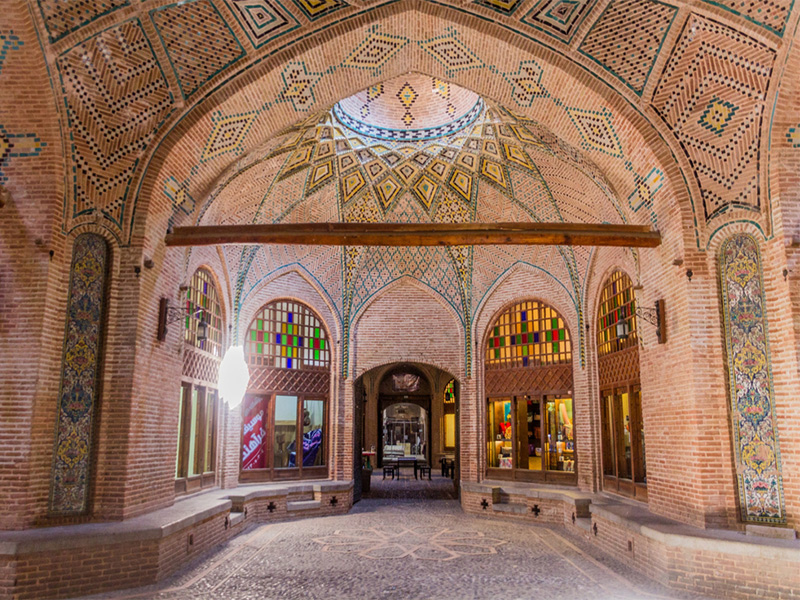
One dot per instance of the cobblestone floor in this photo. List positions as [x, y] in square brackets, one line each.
[390, 548]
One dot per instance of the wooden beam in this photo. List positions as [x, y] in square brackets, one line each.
[418, 234]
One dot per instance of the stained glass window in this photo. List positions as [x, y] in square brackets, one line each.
[287, 335]
[616, 302]
[202, 303]
[529, 333]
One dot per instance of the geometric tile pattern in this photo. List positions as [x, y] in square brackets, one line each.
[374, 52]
[596, 130]
[627, 38]
[8, 42]
[451, 52]
[116, 98]
[69, 487]
[558, 18]
[770, 14]
[526, 83]
[263, 20]
[62, 18]
[198, 41]
[298, 85]
[712, 96]
[505, 7]
[227, 134]
[15, 145]
[755, 436]
[425, 543]
[314, 9]
[793, 136]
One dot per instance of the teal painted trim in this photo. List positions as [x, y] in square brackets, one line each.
[301, 267]
[729, 223]
[158, 126]
[355, 312]
[79, 25]
[235, 10]
[751, 19]
[514, 32]
[652, 64]
[169, 55]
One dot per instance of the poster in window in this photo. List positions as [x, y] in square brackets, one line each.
[253, 433]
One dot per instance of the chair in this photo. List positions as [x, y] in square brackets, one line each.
[424, 469]
[390, 469]
[448, 467]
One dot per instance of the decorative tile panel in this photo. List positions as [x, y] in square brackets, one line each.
[314, 9]
[62, 18]
[627, 38]
[116, 98]
[8, 42]
[559, 18]
[770, 14]
[69, 487]
[753, 419]
[263, 20]
[198, 41]
[712, 96]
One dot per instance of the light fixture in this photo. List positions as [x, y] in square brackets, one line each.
[170, 314]
[655, 316]
[234, 376]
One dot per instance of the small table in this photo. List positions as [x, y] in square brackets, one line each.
[407, 460]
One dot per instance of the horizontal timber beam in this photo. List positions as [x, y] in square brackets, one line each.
[418, 234]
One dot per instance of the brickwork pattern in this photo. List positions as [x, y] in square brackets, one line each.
[627, 39]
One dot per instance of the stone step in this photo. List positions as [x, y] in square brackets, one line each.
[510, 507]
[584, 523]
[303, 505]
[236, 518]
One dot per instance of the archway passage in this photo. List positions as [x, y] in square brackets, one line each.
[407, 427]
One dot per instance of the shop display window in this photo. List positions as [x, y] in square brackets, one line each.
[197, 431]
[622, 426]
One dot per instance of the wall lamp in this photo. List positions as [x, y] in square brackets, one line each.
[656, 316]
[170, 314]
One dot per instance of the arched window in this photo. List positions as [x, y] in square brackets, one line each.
[287, 335]
[529, 411]
[202, 304]
[284, 413]
[616, 304]
[620, 391]
[195, 465]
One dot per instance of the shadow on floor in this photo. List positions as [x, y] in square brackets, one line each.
[408, 488]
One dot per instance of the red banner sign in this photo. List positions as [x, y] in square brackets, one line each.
[253, 455]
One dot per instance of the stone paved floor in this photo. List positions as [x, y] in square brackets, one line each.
[404, 549]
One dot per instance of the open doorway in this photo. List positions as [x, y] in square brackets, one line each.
[407, 428]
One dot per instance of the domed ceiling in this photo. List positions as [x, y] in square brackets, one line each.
[413, 149]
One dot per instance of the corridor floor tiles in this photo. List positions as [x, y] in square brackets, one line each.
[385, 549]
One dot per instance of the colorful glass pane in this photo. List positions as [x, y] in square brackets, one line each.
[290, 336]
[617, 302]
[528, 334]
[202, 304]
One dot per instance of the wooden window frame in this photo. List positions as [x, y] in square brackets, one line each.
[272, 473]
[208, 399]
[543, 475]
[636, 485]
[212, 315]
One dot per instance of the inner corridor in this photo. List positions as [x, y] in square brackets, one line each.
[403, 541]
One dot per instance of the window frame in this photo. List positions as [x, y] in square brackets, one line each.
[208, 401]
[270, 472]
[516, 473]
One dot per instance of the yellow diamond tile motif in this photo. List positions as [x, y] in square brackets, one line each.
[387, 191]
[351, 185]
[425, 189]
[461, 182]
[374, 91]
[407, 172]
[407, 151]
[441, 88]
[437, 168]
[495, 172]
[376, 169]
[490, 147]
[347, 162]
[324, 150]
[407, 95]
[319, 175]
[468, 161]
[227, 134]
[517, 155]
